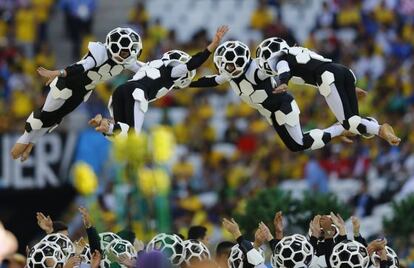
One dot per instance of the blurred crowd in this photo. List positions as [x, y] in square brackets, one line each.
[373, 37]
[325, 245]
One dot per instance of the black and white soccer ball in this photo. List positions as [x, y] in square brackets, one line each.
[268, 48]
[195, 250]
[106, 238]
[118, 248]
[46, 255]
[392, 260]
[175, 57]
[232, 58]
[64, 242]
[105, 262]
[349, 254]
[237, 258]
[171, 245]
[292, 252]
[86, 254]
[124, 45]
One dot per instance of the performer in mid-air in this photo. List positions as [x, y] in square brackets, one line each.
[336, 83]
[73, 85]
[255, 87]
[155, 79]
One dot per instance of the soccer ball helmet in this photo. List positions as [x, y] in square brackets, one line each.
[106, 238]
[64, 242]
[267, 49]
[124, 45]
[232, 58]
[195, 249]
[120, 248]
[171, 245]
[86, 254]
[105, 262]
[236, 257]
[351, 254]
[175, 57]
[292, 252]
[392, 260]
[45, 255]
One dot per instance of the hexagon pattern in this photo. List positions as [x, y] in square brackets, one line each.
[349, 254]
[63, 94]
[327, 79]
[292, 251]
[246, 87]
[34, 122]
[291, 118]
[171, 245]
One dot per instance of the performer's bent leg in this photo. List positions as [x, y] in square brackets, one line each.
[287, 124]
[337, 85]
[58, 104]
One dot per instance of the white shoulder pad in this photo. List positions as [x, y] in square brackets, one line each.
[98, 51]
[254, 257]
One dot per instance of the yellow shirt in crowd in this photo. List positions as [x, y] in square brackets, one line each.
[26, 25]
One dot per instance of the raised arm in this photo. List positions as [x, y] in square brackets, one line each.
[253, 255]
[96, 55]
[198, 59]
[93, 237]
[357, 235]
[210, 81]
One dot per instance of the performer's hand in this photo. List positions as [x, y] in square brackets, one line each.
[45, 223]
[232, 227]
[265, 231]
[278, 224]
[280, 89]
[96, 121]
[360, 92]
[356, 224]
[96, 259]
[221, 31]
[85, 217]
[50, 75]
[259, 238]
[315, 226]
[338, 222]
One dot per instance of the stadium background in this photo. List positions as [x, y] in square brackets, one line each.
[212, 153]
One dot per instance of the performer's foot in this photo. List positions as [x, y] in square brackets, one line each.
[387, 133]
[96, 121]
[21, 150]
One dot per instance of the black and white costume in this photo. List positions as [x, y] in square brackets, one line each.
[281, 110]
[67, 93]
[154, 80]
[335, 82]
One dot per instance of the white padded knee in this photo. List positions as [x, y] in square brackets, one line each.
[291, 118]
